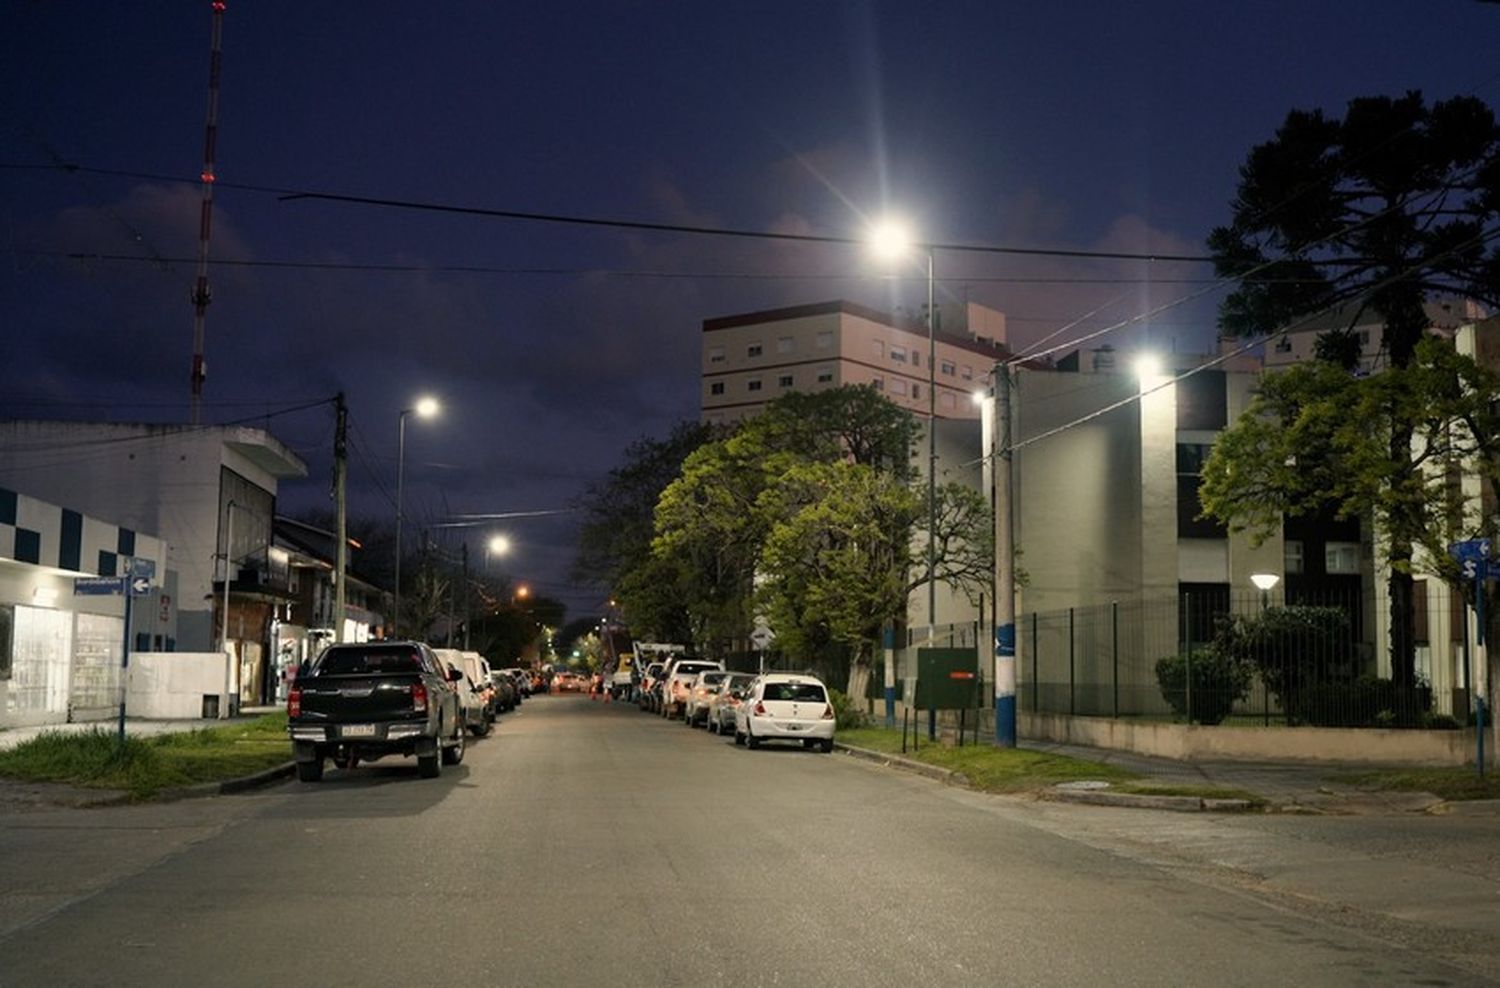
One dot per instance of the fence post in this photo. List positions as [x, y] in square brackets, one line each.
[1114, 620]
[1072, 676]
[1187, 658]
[1036, 685]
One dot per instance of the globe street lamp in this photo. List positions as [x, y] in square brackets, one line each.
[498, 545]
[426, 407]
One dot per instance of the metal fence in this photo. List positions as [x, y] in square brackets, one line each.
[1230, 658]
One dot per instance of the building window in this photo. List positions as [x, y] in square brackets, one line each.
[753, 350]
[784, 381]
[784, 344]
[879, 347]
[716, 388]
[916, 391]
[946, 367]
[916, 358]
[898, 386]
[825, 375]
[716, 355]
[1341, 557]
[753, 384]
[878, 384]
[1291, 556]
[1191, 457]
[825, 340]
[898, 354]
[967, 373]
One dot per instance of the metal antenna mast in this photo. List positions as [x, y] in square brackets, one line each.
[201, 294]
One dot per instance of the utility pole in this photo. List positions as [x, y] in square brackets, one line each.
[1005, 574]
[341, 501]
[468, 610]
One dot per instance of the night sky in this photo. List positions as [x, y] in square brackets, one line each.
[1083, 126]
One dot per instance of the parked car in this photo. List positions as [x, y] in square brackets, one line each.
[366, 700]
[568, 682]
[474, 696]
[725, 700]
[704, 686]
[650, 680]
[677, 680]
[785, 707]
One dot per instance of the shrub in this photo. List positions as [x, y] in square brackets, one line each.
[1364, 702]
[848, 714]
[1218, 682]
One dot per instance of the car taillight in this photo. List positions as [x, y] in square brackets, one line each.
[294, 702]
[828, 711]
[760, 709]
[419, 698]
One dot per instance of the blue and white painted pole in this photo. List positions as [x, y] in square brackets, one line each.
[1005, 575]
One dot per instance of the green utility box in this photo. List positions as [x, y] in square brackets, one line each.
[948, 679]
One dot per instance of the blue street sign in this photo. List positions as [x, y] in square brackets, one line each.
[1476, 549]
[1479, 569]
[140, 586]
[141, 566]
[98, 585]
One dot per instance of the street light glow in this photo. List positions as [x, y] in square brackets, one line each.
[426, 407]
[890, 239]
[1264, 581]
[499, 545]
[1147, 367]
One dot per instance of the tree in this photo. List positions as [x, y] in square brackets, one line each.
[614, 542]
[1316, 435]
[1378, 212]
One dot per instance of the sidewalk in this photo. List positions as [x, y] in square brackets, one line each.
[1289, 787]
[134, 726]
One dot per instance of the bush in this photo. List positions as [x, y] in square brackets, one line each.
[1218, 683]
[1364, 702]
[849, 716]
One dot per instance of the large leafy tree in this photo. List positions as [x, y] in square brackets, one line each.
[1376, 213]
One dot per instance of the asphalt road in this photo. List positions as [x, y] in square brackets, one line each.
[590, 844]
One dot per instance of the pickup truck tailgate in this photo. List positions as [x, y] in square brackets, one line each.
[358, 698]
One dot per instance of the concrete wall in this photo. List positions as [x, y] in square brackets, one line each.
[172, 685]
[1186, 742]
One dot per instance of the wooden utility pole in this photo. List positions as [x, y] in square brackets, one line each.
[341, 551]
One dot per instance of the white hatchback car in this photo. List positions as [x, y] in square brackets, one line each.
[785, 707]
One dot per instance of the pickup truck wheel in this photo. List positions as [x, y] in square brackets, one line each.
[429, 766]
[827, 746]
[454, 753]
[310, 771]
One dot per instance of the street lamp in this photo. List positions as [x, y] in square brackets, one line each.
[498, 545]
[1265, 583]
[890, 239]
[426, 407]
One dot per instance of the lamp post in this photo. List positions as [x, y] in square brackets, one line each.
[890, 239]
[1265, 583]
[498, 545]
[424, 408]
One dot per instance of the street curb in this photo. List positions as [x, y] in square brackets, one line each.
[228, 787]
[1178, 804]
[896, 761]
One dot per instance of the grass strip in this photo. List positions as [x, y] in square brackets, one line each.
[1450, 783]
[145, 766]
[990, 768]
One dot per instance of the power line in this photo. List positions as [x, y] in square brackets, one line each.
[295, 195]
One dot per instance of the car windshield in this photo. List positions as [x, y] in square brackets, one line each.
[366, 662]
[796, 692]
[692, 668]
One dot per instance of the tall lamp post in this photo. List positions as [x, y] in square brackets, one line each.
[424, 408]
[890, 240]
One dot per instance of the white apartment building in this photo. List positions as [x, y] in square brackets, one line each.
[752, 358]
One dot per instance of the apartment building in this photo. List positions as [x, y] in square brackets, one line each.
[752, 358]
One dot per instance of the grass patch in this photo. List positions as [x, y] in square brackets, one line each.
[144, 767]
[1447, 783]
[988, 768]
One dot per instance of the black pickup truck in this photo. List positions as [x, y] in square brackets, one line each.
[363, 701]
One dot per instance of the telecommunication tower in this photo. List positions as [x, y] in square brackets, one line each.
[201, 294]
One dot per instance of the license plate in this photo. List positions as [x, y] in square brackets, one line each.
[357, 731]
